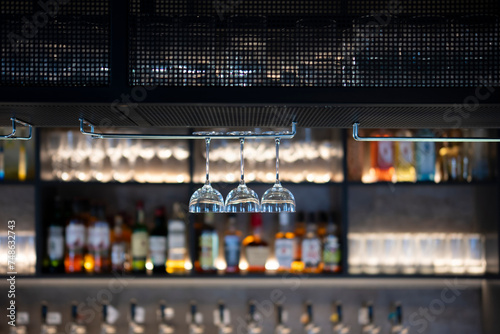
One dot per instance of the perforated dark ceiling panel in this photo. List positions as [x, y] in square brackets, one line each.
[54, 43]
[396, 116]
[356, 43]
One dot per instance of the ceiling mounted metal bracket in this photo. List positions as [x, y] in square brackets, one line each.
[229, 135]
[12, 135]
[355, 135]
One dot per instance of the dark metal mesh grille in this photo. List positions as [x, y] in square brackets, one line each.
[54, 43]
[314, 43]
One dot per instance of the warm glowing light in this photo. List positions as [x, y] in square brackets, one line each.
[180, 178]
[188, 265]
[243, 265]
[99, 176]
[310, 178]
[149, 265]
[230, 177]
[65, 176]
[220, 264]
[88, 265]
[272, 264]
[270, 176]
[82, 176]
[370, 177]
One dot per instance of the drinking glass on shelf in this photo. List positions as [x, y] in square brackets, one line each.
[390, 253]
[425, 251]
[356, 252]
[164, 153]
[456, 248]
[242, 198]
[475, 262]
[147, 153]
[441, 253]
[96, 159]
[80, 162]
[278, 198]
[66, 151]
[53, 147]
[408, 256]
[206, 199]
[372, 250]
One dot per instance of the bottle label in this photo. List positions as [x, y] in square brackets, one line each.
[311, 252]
[232, 250]
[331, 252]
[158, 249]
[284, 251]
[139, 244]
[426, 158]
[75, 236]
[100, 237]
[56, 247]
[176, 240]
[405, 153]
[118, 254]
[257, 256]
[385, 154]
[208, 250]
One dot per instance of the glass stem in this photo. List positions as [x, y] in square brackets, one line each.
[278, 140]
[207, 142]
[242, 166]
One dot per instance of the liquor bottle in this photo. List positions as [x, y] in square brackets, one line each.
[331, 247]
[22, 169]
[2, 164]
[299, 232]
[139, 241]
[101, 241]
[232, 245]
[311, 247]
[75, 240]
[55, 240]
[322, 224]
[284, 244]
[480, 158]
[382, 158]
[176, 242]
[425, 157]
[119, 246]
[256, 249]
[455, 159]
[90, 219]
[209, 245]
[404, 161]
[158, 242]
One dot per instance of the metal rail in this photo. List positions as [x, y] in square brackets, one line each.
[230, 135]
[355, 135]
[12, 135]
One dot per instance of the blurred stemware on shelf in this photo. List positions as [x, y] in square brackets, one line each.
[242, 198]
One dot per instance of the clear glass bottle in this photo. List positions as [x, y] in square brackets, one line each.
[139, 242]
[232, 245]
[425, 157]
[75, 240]
[284, 244]
[209, 245]
[177, 249]
[311, 247]
[331, 247]
[101, 242]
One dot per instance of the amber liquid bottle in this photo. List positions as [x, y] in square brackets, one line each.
[256, 249]
[299, 232]
[382, 158]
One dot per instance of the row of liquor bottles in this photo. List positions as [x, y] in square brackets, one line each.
[166, 316]
[422, 161]
[81, 240]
